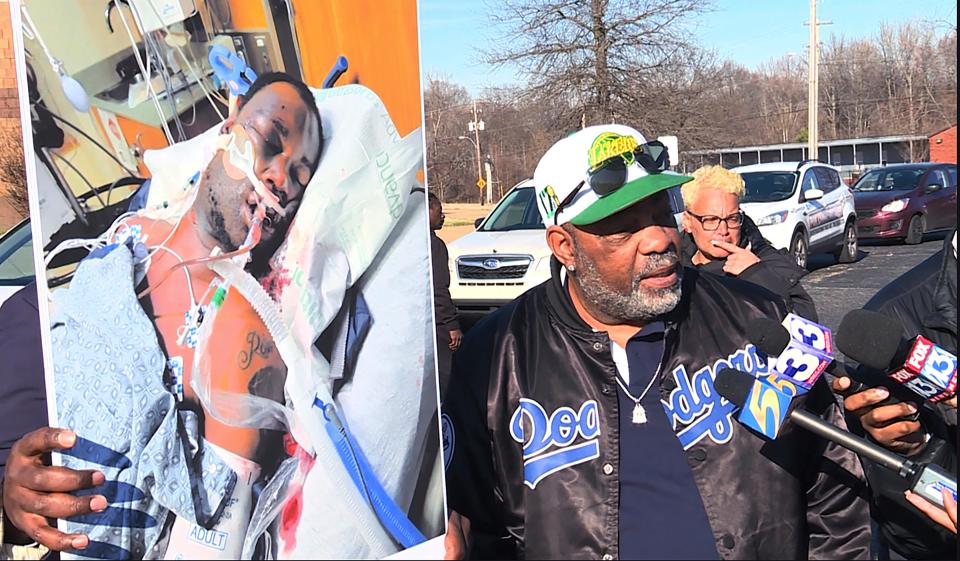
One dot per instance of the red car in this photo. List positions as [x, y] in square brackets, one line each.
[905, 201]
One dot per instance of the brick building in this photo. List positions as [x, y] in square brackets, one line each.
[10, 140]
[943, 145]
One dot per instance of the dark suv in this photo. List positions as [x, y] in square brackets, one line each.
[905, 201]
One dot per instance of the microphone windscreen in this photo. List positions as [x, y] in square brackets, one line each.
[768, 336]
[870, 338]
[733, 385]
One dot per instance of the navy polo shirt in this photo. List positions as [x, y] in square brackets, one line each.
[661, 512]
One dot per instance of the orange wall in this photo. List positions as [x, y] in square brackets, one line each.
[379, 39]
[247, 14]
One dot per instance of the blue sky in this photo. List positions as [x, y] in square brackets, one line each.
[746, 31]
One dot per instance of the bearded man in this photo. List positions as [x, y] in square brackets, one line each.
[581, 420]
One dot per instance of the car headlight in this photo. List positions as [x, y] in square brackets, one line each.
[895, 206]
[775, 218]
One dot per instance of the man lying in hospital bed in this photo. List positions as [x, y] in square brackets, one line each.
[184, 350]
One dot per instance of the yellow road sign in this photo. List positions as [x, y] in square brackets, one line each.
[481, 184]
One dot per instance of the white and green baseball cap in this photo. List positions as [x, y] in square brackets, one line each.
[596, 154]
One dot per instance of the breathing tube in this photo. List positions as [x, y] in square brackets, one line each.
[304, 394]
[335, 445]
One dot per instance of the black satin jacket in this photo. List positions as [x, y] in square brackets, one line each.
[531, 444]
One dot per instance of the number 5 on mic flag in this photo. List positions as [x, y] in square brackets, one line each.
[767, 405]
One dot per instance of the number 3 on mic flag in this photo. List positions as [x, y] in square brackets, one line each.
[807, 355]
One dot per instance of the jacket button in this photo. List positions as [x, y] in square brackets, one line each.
[698, 454]
[598, 346]
[607, 557]
[607, 469]
[727, 541]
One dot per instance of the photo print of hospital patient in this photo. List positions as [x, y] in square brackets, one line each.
[237, 287]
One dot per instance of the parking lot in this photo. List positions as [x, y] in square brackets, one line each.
[837, 288]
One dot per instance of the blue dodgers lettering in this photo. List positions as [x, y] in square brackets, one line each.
[548, 445]
[698, 407]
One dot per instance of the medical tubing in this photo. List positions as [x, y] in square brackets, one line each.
[269, 504]
[88, 137]
[144, 71]
[325, 455]
[190, 263]
[32, 33]
[230, 408]
[390, 515]
[83, 177]
[166, 28]
[88, 244]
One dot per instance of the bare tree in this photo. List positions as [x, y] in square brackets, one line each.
[903, 80]
[448, 158]
[582, 56]
[13, 178]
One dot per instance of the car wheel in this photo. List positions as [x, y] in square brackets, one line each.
[848, 251]
[918, 224]
[798, 248]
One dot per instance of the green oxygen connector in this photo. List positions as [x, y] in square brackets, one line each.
[218, 297]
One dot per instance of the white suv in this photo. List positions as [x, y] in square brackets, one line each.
[508, 253]
[803, 207]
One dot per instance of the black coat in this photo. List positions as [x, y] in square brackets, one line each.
[924, 301]
[446, 311]
[776, 271]
[797, 497]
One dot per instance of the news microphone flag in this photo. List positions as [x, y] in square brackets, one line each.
[930, 371]
[764, 405]
[763, 402]
[808, 353]
[876, 342]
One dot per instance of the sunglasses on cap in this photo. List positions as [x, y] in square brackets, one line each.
[611, 174]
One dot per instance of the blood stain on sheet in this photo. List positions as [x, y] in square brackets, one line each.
[293, 510]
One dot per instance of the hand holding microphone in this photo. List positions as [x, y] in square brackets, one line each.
[765, 403]
[922, 372]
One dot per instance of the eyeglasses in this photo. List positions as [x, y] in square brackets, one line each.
[711, 223]
[611, 174]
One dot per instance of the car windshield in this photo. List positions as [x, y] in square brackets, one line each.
[768, 186]
[888, 180]
[16, 254]
[517, 211]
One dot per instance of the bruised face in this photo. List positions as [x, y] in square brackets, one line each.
[285, 137]
[628, 265]
[712, 202]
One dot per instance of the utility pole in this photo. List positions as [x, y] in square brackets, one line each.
[813, 84]
[475, 126]
[487, 165]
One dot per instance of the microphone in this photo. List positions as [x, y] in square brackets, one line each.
[764, 404]
[772, 339]
[876, 341]
[802, 349]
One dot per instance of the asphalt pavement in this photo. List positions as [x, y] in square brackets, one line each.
[838, 288]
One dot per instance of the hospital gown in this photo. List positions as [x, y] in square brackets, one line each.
[108, 377]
